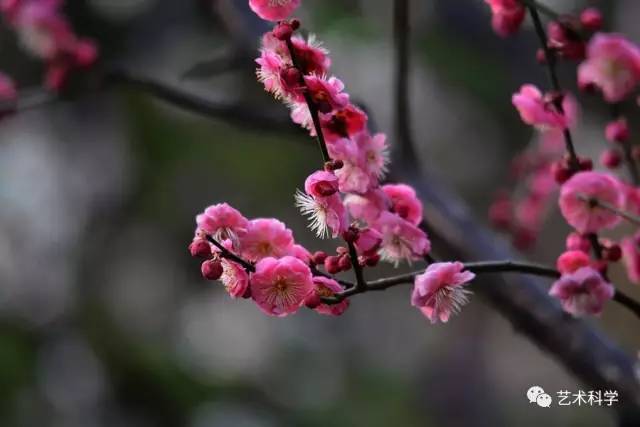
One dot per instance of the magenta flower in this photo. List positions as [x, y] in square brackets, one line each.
[234, 278]
[279, 78]
[223, 222]
[352, 177]
[570, 261]
[439, 292]
[300, 252]
[325, 287]
[401, 240]
[265, 237]
[280, 286]
[617, 130]
[312, 57]
[404, 202]
[537, 111]
[368, 241]
[631, 257]
[580, 212]
[274, 10]
[507, 16]
[612, 65]
[582, 292]
[344, 123]
[326, 93]
[321, 184]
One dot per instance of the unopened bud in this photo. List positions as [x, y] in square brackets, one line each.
[211, 269]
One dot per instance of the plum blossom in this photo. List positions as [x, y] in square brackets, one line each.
[234, 278]
[375, 154]
[223, 222]
[612, 65]
[280, 286]
[274, 10]
[352, 176]
[265, 237]
[325, 287]
[440, 291]
[367, 207]
[368, 241]
[582, 292]
[617, 130]
[570, 261]
[537, 110]
[507, 16]
[580, 212]
[631, 257]
[401, 240]
[327, 94]
[404, 202]
[327, 215]
[278, 78]
[343, 123]
[321, 184]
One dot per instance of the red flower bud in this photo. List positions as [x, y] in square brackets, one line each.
[211, 269]
[200, 248]
[610, 158]
[591, 19]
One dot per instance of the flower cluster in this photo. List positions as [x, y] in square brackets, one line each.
[346, 199]
[45, 33]
[590, 201]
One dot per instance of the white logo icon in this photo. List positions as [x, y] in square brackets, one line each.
[534, 392]
[543, 400]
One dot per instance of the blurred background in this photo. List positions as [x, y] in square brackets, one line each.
[104, 318]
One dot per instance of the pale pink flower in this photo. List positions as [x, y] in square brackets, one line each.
[612, 65]
[367, 207]
[582, 292]
[401, 240]
[579, 212]
[326, 93]
[507, 16]
[280, 286]
[274, 10]
[404, 202]
[631, 257]
[325, 287]
[278, 77]
[327, 215]
[234, 278]
[537, 111]
[321, 184]
[439, 292]
[223, 222]
[374, 152]
[301, 115]
[265, 237]
[570, 261]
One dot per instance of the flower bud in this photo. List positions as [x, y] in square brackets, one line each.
[200, 248]
[331, 264]
[313, 300]
[610, 158]
[333, 165]
[617, 130]
[591, 19]
[585, 163]
[283, 31]
[613, 253]
[344, 262]
[318, 257]
[211, 269]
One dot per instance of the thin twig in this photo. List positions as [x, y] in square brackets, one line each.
[632, 166]
[361, 283]
[542, 8]
[226, 253]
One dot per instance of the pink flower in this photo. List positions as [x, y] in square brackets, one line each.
[577, 242]
[507, 16]
[537, 111]
[312, 57]
[404, 202]
[352, 177]
[367, 207]
[301, 115]
[612, 65]
[368, 241]
[279, 78]
[280, 286]
[222, 222]
[375, 154]
[326, 93]
[265, 237]
[321, 184]
[343, 123]
[401, 240]
[582, 292]
[234, 278]
[300, 252]
[325, 287]
[327, 215]
[570, 261]
[439, 291]
[274, 10]
[579, 212]
[631, 257]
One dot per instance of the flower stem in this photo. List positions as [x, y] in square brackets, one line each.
[226, 253]
[542, 8]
